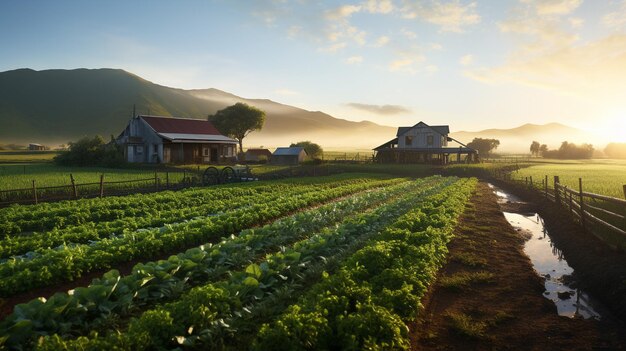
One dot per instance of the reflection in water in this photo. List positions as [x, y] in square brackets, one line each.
[549, 261]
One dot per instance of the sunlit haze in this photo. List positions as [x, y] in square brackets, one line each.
[470, 64]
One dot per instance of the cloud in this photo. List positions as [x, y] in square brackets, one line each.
[385, 110]
[617, 18]
[342, 12]
[554, 7]
[407, 33]
[333, 47]
[576, 22]
[354, 60]
[466, 60]
[451, 16]
[381, 41]
[592, 70]
[378, 6]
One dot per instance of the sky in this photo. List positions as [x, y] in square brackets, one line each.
[470, 64]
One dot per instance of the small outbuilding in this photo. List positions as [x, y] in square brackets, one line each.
[36, 147]
[256, 155]
[288, 155]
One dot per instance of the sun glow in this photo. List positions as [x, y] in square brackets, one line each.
[614, 128]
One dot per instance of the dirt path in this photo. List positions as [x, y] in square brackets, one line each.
[488, 297]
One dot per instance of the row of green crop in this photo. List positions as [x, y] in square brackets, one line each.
[366, 305]
[223, 200]
[48, 216]
[69, 262]
[155, 282]
[216, 315]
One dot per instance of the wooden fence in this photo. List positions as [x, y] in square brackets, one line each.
[36, 193]
[596, 213]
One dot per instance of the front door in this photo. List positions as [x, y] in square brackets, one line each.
[214, 157]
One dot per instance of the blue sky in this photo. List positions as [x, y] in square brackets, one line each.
[470, 64]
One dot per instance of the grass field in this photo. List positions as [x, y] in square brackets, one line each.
[605, 177]
[18, 176]
[26, 156]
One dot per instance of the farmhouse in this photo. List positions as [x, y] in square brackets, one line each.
[288, 155]
[255, 155]
[422, 143]
[156, 139]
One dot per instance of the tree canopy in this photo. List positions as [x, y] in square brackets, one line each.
[312, 149]
[570, 151]
[92, 152]
[238, 120]
[534, 148]
[484, 146]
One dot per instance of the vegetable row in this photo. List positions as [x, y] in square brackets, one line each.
[47, 216]
[87, 232]
[159, 281]
[218, 314]
[69, 262]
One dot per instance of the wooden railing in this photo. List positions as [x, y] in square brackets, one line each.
[595, 212]
[36, 194]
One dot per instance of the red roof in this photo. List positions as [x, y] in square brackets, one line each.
[180, 125]
[259, 152]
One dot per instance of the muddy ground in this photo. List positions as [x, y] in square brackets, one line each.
[488, 296]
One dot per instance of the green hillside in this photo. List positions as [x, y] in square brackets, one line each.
[56, 106]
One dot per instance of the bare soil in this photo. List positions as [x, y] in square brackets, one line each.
[506, 311]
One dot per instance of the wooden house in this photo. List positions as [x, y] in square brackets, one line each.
[256, 155]
[422, 143]
[36, 147]
[288, 155]
[156, 139]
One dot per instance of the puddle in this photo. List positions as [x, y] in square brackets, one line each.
[549, 262]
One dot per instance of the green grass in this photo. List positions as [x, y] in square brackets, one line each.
[19, 176]
[606, 178]
[467, 326]
[26, 156]
[463, 280]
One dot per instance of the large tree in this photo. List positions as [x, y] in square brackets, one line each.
[484, 146]
[238, 120]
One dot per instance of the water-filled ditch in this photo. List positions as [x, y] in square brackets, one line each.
[550, 263]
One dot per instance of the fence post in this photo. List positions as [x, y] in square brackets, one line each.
[156, 182]
[624, 191]
[167, 180]
[35, 192]
[74, 191]
[546, 186]
[557, 196]
[571, 206]
[101, 186]
[531, 182]
[582, 208]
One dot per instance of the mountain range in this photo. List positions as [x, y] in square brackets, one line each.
[56, 106]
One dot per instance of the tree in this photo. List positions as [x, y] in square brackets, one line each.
[238, 120]
[312, 149]
[92, 152]
[534, 148]
[543, 149]
[484, 146]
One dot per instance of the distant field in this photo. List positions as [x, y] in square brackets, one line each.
[18, 176]
[26, 156]
[605, 177]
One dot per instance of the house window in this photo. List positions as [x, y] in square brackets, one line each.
[429, 140]
[408, 140]
[139, 149]
[205, 151]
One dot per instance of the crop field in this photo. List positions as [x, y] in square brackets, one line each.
[337, 262]
[606, 178]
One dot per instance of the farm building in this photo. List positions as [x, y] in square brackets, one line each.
[156, 139]
[256, 155]
[36, 147]
[288, 155]
[422, 143]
